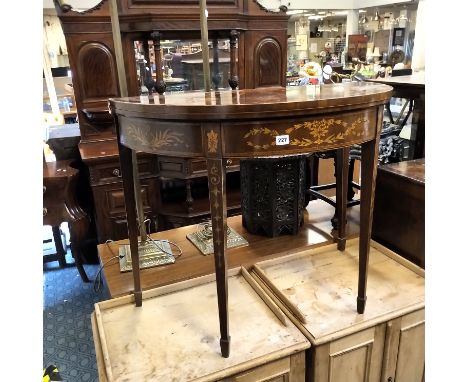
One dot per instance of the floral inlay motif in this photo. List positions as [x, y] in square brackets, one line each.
[156, 139]
[319, 131]
[212, 141]
[261, 131]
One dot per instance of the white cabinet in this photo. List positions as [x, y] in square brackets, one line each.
[317, 290]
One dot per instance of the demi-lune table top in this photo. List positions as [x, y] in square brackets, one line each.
[251, 103]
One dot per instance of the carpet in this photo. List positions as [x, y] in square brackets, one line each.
[67, 335]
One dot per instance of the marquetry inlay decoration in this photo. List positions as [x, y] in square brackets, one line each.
[212, 141]
[215, 189]
[158, 139]
[322, 131]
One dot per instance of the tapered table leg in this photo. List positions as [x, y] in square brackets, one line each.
[342, 167]
[369, 156]
[217, 188]
[126, 166]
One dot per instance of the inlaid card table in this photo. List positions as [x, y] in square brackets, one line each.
[253, 123]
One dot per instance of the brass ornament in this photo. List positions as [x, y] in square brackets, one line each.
[203, 239]
[150, 255]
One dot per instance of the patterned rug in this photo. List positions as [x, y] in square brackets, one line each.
[67, 335]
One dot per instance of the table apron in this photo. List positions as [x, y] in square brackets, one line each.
[305, 134]
[253, 138]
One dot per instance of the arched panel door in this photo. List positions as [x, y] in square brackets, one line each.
[97, 74]
[267, 71]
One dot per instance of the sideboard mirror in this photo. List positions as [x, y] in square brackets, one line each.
[80, 6]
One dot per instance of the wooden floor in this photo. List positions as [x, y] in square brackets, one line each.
[317, 229]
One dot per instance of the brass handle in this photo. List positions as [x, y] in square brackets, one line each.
[116, 172]
[44, 211]
[229, 162]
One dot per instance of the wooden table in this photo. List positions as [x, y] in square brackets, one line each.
[411, 87]
[254, 123]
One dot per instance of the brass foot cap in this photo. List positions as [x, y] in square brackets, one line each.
[225, 347]
[361, 304]
[138, 298]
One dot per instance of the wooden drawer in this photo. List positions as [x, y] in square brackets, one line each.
[109, 172]
[115, 201]
[110, 210]
[183, 168]
[174, 336]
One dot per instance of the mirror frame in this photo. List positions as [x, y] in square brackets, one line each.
[66, 7]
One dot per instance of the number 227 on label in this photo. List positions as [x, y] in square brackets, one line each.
[282, 140]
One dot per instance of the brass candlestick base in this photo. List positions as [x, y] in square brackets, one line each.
[151, 254]
[203, 239]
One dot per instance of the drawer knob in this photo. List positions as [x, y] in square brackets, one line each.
[390, 379]
[44, 211]
[229, 162]
[116, 172]
[44, 188]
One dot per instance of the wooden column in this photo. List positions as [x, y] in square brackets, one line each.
[160, 85]
[147, 77]
[234, 77]
[204, 45]
[216, 76]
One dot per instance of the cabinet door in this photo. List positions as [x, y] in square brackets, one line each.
[404, 349]
[355, 358]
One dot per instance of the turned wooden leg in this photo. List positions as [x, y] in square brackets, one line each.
[342, 167]
[59, 245]
[217, 189]
[126, 166]
[188, 195]
[369, 158]
[78, 230]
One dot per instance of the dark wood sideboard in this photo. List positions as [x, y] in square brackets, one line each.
[262, 47]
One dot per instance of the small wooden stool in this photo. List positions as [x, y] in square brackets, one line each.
[60, 205]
